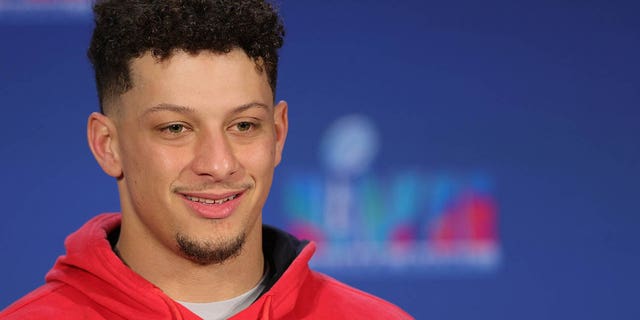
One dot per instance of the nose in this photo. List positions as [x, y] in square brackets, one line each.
[215, 157]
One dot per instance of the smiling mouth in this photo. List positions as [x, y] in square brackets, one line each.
[211, 201]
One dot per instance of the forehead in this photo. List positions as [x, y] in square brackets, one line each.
[203, 80]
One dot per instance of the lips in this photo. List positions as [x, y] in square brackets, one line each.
[213, 206]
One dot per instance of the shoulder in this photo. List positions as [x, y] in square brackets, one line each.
[50, 301]
[336, 299]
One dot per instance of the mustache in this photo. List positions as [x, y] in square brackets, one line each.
[212, 186]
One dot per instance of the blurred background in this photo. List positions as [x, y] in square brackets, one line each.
[462, 159]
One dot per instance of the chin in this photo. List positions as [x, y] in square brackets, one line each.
[208, 252]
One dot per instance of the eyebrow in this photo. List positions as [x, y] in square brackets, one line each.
[245, 107]
[169, 107]
[189, 110]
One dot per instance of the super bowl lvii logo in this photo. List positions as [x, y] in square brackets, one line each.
[407, 220]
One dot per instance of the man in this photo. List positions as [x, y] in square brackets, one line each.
[189, 129]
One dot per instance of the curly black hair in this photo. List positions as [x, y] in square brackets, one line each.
[127, 29]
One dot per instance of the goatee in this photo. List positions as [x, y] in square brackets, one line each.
[210, 252]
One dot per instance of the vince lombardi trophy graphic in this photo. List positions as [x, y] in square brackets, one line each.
[348, 149]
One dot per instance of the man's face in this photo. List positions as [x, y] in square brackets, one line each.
[198, 138]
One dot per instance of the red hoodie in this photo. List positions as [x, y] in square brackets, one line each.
[90, 282]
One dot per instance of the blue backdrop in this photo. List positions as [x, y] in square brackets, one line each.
[540, 96]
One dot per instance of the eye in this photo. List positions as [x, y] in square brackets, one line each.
[174, 128]
[244, 126]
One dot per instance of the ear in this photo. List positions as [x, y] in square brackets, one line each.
[102, 136]
[281, 122]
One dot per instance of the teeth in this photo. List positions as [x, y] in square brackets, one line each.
[210, 201]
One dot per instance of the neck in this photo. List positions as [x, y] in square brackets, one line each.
[185, 280]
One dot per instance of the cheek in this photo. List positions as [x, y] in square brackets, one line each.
[149, 164]
[259, 158]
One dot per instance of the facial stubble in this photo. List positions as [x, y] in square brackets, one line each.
[210, 252]
[207, 252]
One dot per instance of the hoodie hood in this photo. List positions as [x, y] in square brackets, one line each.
[93, 269]
[90, 282]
